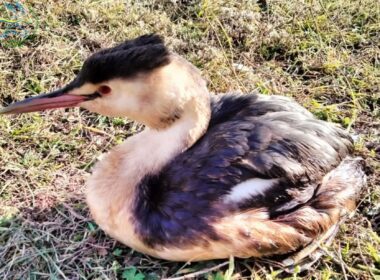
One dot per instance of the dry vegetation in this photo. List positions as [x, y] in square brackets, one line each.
[326, 54]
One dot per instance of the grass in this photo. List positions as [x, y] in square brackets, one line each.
[325, 54]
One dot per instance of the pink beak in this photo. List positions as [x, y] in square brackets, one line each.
[56, 99]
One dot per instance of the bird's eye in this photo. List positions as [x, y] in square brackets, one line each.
[104, 89]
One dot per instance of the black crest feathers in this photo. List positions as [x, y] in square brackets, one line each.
[125, 60]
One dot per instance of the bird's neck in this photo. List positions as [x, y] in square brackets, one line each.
[152, 149]
[118, 174]
[155, 148]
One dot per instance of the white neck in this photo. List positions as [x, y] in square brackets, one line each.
[152, 149]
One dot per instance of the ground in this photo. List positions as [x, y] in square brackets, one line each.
[325, 54]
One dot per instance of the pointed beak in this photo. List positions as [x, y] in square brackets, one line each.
[57, 99]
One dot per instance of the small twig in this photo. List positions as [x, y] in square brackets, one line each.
[363, 258]
[75, 214]
[98, 131]
[342, 263]
[195, 274]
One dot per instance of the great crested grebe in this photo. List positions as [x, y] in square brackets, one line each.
[210, 176]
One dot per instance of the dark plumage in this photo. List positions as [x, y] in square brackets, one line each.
[248, 137]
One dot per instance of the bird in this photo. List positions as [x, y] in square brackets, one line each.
[212, 175]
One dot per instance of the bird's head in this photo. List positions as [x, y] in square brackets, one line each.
[139, 79]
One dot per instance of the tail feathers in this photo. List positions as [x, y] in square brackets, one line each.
[320, 218]
[335, 197]
[341, 186]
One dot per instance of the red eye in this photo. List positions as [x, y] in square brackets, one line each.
[104, 89]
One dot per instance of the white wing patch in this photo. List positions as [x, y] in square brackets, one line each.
[248, 189]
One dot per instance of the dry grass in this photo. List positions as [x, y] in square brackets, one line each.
[326, 54]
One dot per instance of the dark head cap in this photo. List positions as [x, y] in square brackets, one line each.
[125, 60]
